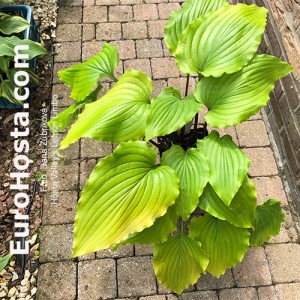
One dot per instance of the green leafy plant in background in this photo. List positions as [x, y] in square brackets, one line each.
[4, 261]
[9, 26]
[196, 204]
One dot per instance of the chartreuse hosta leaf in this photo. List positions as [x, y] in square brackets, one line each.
[157, 233]
[168, 113]
[223, 41]
[8, 44]
[228, 165]
[192, 169]
[180, 19]
[233, 98]
[224, 243]
[120, 115]
[83, 77]
[12, 24]
[69, 115]
[239, 213]
[267, 220]
[125, 193]
[66, 117]
[178, 262]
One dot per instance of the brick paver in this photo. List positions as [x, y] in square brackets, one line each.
[136, 27]
[97, 279]
[284, 262]
[253, 270]
[208, 282]
[68, 33]
[57, 281]
[238, 294]
[59, 235]
[136, 277]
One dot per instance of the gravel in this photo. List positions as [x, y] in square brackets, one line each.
[15, 284]
[45, 14]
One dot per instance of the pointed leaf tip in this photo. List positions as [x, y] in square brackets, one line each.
[230, 35]
[178, 262]
[125, 193]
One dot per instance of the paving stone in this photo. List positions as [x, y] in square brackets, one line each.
[68, 33]
[89, 49]
[164, 68]
[238, 294]
[107, 2]
[252, 134]
[156, 28]
[108, 31]
[267, 293]
[126, 2]
[86, 167]
[165, 9]
[143, 249]
[126, 49]
[61, 212]
[167, 52]
[258, 116]
[158, 87]
[180, 84]
[135, 30]
[64, 174]
[263, 162]
[199, 295]
[68, 52]
[88, 32]
[149, 48]
[253, 270]
[62, 92]
[58, 67]
[135, 277]
[284, 262]
[290, 291]
[67, 3]
[56, 242]
[89, 256]
[120, 13]
[145, 12]
[209, 282]
[52, 277]
[139, 64]
[68, 15]
[97, 279]
[171, 297]
[228, 131]
[156, 1]
[95, 14]
[270, 187]
[163, 290]
[93, 148]
[88, 2]
[153, 298]
[72, 152]
[119, 70]
[123, 251]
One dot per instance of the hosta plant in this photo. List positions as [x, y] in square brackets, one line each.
[10, 27]
[172, 182]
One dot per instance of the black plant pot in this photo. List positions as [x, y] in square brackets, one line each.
[31, 33]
